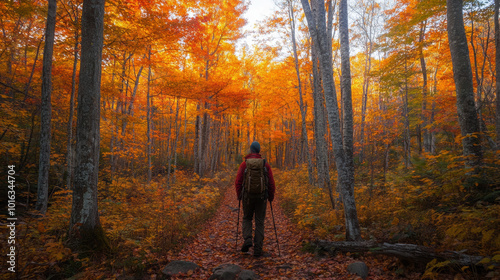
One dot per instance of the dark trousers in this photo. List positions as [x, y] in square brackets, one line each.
[254, 206]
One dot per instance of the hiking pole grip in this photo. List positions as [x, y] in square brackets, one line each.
[275, 231]
[238, 224]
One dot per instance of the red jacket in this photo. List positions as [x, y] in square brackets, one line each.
[241, 173]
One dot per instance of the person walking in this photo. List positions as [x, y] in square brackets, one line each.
[254, 186]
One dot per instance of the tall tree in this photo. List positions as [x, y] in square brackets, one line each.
[148, 116]
[46, 110]
[345, 175]
[427, 135]
[85, 227]
[352, 225]
[462, 74]
[320, 129]
[497, 69]
[305, 141]
[74, 15]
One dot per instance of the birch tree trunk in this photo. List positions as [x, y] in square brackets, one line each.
[462, 73]
[343, 160]
[85, 230]
[301, 104]
[347, 186]
[320, 129]
[46, 110]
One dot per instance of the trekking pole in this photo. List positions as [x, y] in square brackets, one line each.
[275, 232]
[238, 224]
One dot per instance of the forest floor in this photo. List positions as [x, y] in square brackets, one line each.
[215, 245]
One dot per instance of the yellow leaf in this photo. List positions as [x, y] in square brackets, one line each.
[487, 235]
[485, 260]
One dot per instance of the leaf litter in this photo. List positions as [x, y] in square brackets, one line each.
[215, 245]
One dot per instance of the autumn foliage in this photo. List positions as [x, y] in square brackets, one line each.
[183, 94]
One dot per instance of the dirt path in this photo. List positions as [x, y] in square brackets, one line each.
[215, 245]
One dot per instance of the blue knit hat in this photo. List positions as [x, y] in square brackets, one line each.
[255, 147]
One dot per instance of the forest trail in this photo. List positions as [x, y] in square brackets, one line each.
[215, 245]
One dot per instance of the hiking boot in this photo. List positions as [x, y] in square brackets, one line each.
[259, 254]
[245, 247]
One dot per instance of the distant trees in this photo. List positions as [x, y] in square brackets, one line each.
[178, 92]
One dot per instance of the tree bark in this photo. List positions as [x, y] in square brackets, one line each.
[462, 73]
[320, 129]
[301, 101]
[33, 68]
[350, 212]
[425, 121]
[148, 117]
[411, 252]
[46, 110]
[343, 151]
[406, 116]
[497, 69]
[85, 228]
[69, 145]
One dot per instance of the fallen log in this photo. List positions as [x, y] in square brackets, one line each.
[410, 252]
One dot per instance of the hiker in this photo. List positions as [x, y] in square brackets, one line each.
[254, 186]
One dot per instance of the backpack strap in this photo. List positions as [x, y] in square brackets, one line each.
[243, 184]
[265, 177]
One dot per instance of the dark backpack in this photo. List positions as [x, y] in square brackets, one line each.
[256, 177]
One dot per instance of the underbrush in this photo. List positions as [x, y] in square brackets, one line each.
[143, 224]
[433, 204]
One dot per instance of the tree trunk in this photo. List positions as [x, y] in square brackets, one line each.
[174, 144]
[129, 112]
[205, 130]
[320, 129]
[196, 143]
[148, 101]
[462, 73]
[497, 69]
[185, 130]
[406, 116]
[345, 176]
[69, 158]
[85, 228]
[301, 104]
[33, 68]
[351, 216]
[410, 252]
[425, 121]
[46, 110]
